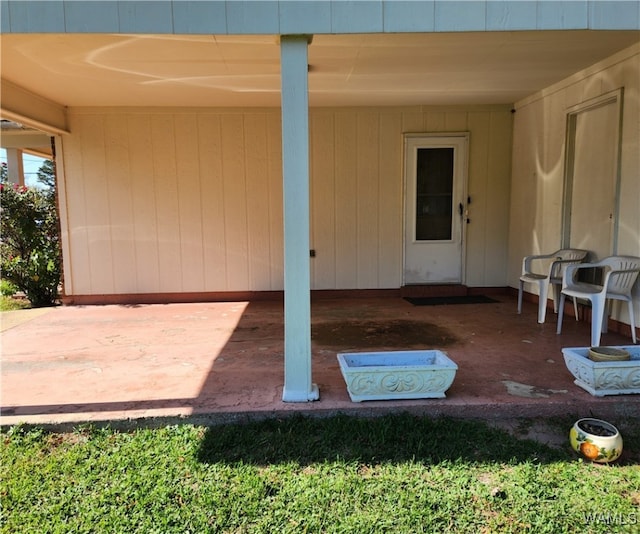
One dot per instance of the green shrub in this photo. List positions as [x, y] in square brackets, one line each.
[7, 289]
[30, 249]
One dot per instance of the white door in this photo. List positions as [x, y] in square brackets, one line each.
[591, 202]
[435, 208]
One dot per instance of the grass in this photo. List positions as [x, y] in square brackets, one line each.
[8, 303]
[397, 473]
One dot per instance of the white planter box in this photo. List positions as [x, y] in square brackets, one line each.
[421, 374]
[604, 378]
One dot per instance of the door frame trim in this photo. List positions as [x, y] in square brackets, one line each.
[465, 136]
[611, 97]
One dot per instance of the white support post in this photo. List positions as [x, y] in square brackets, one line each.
[298, 386]
[15, 166]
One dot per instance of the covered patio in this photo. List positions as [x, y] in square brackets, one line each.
[213, 362]
[210, 149]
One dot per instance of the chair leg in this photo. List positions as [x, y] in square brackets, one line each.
[597, 316]
[605, 318]
[542, 303]
[560, 313]
[633, 323]
[555, 289]
[575, 308]
[520, 289]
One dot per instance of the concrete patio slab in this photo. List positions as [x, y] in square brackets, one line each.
[213, 362]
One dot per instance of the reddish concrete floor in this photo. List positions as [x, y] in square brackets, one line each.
[213, 362]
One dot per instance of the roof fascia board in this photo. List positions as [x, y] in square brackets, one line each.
[276, 17]
[21, 139]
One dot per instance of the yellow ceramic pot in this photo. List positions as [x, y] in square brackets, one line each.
[596, 440]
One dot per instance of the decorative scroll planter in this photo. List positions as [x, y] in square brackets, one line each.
[605, 377]
[423, 374]
[596, 440]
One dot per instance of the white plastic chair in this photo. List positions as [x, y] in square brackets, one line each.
[620, 273]
[553, 276]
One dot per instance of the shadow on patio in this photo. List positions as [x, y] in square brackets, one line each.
[211, 362]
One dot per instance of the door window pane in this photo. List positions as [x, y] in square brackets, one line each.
[434, 194]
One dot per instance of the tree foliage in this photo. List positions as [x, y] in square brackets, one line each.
[30, 244]
[47, 175]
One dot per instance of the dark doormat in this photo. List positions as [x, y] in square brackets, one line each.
[438, 301]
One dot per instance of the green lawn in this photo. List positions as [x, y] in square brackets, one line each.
[10, 303]
[397, 473]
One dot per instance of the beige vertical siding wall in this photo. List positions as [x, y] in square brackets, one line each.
[184, 200]
[357, 192]
[539, 151]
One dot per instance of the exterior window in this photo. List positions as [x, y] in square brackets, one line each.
[434, 195]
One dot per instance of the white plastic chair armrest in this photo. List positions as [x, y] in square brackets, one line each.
[560, 262]
[527, 260]
[569, 273]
